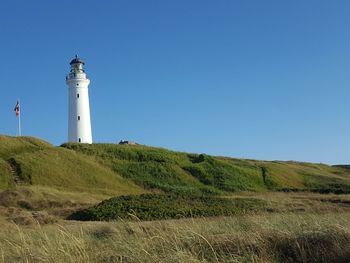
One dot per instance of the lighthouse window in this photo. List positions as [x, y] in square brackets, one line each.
[77, 84]
[78, 95]
[78, 118]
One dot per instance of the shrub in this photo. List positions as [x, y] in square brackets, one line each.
[156, 206]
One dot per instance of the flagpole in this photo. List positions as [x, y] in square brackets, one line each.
[19, 120]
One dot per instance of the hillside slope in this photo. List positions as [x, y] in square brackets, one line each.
[30, 161]
[134, 169]
[171, 171]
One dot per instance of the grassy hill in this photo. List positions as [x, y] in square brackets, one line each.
[171, 171]
[41, 185]
[32, 161]
[134, 169]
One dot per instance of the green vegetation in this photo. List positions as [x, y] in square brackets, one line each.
[186, 184]
[156, 206]
[39, 163]
[6, 180]
[175, 172]
[134, 169]
[272, 213]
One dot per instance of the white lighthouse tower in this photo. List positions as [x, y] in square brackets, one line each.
[79, 124]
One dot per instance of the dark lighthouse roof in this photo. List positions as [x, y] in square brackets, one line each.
[76, 60]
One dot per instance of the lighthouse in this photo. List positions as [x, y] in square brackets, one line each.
[79, 124]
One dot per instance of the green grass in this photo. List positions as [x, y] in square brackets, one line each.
[134, 169]
[46, 165]
[6, 181]
[176, 172]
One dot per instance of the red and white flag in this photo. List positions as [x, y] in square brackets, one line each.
[17, 109]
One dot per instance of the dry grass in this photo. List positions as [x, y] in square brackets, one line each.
[300, 227]
[45, 199]
[254, 238]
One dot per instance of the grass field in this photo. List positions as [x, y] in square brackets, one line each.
[274, 211]
[317, 230]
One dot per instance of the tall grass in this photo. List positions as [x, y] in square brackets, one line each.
[253, 238]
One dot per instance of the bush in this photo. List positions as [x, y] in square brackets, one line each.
[156, 206]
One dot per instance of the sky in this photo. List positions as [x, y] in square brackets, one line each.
[250, 79]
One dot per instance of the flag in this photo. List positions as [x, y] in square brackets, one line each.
[16, 109]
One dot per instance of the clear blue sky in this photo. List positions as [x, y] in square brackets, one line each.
[252, 79]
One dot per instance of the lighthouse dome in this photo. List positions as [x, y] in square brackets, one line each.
[76, 60]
